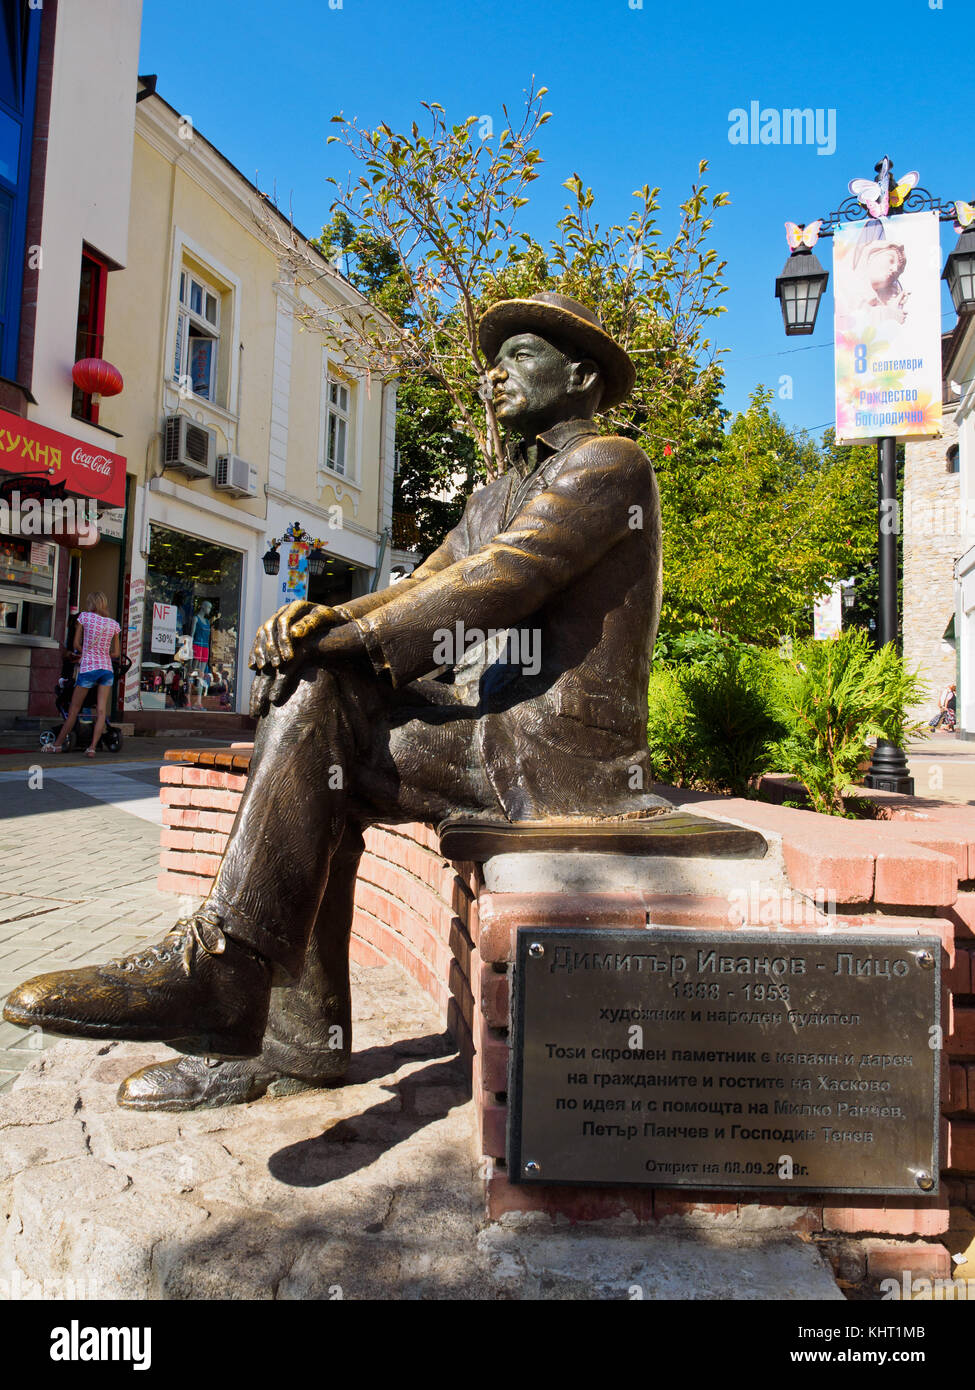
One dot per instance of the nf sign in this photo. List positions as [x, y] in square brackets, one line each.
[165, 617]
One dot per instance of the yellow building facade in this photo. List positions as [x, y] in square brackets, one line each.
[239, 420]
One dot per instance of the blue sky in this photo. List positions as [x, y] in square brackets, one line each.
[639, 95]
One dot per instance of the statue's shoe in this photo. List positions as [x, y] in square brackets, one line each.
[198, 989]
[199, 1083]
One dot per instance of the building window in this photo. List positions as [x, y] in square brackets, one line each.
[196, 362]
[20, 29]
[338, 428]
[28, 585]
[952, 459]
[6, 218]
[90, 339]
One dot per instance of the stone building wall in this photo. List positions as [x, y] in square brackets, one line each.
[933, 538]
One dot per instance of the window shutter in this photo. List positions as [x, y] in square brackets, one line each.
[179, 360]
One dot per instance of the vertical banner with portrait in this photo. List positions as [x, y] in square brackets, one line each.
[828, 614]
[294, 580]
[887, 296]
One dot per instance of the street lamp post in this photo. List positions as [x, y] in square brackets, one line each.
[317, 559]
[799, 288]
[888, 770]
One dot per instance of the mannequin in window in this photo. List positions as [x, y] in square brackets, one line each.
[201, 636]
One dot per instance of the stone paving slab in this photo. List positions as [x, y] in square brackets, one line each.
[77, 882]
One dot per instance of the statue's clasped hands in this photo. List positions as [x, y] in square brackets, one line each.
[297, 632]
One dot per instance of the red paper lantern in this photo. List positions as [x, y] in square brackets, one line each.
[96, 377]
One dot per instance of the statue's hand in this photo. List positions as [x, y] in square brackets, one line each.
[275, 643]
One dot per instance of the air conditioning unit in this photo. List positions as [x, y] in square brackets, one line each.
[188, 447]
[236, 476]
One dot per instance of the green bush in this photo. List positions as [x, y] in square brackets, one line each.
[722, 712]
[831, 697]
[668, 730]
[711, 724]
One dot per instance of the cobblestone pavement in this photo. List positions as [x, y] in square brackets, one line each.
[79, 853]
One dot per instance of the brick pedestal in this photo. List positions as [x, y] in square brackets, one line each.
[906, 874]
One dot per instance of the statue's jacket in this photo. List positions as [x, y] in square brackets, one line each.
[564, 561]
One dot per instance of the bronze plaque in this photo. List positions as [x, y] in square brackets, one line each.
[674, 1058]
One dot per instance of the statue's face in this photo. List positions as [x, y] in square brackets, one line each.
[530, 383]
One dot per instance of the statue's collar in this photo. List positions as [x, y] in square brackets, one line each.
[526, 458]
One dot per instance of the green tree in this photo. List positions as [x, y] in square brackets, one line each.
[437, 459]
[442, 204]
[751, 539]
[426, 232]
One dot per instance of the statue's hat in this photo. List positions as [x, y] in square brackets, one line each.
[555, 315]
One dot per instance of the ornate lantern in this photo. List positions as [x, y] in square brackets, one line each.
[96, 377]
[799, 289]
[959, 271]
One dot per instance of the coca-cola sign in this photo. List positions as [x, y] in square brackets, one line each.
[98, 464]
[33, 451]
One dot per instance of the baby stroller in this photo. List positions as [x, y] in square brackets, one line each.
[80, 736]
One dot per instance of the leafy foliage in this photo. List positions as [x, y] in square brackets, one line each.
[722, 712]
[832, 696]
[435, 212]
[711, 723]
[752, 538]
[656, 298]
[438, 462]
[444, 199]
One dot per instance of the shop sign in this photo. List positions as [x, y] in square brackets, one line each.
[34, 451]
[165, 621]
[135, 609]
[111, 523]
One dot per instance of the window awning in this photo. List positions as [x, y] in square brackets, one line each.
[42, 455]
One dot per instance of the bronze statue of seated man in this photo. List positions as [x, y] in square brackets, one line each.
[561, 555]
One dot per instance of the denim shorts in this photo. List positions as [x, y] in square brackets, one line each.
[90, 678]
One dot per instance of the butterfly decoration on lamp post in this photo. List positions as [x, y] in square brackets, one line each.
[887, 344]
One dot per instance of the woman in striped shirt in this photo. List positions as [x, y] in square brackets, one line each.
[97, 635]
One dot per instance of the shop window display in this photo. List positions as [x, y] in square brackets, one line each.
[28, 585]
[192, 617]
